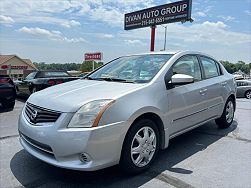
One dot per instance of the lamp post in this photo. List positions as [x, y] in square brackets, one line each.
[165, 38]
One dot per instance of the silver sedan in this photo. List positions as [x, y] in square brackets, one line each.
[126, 111]
[244, 88]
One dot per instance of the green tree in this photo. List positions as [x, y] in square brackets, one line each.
[57, 66]
[229, 66]
[86, 66]
[234, 67]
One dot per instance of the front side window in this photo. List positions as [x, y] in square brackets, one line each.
[137, 68]
[210, 67]
[188, 65]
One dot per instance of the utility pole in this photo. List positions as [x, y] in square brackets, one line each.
[10, 70]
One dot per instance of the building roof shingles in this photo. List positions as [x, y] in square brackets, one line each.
[4, 58]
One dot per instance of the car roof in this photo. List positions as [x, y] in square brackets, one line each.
[243, 80]
[52, 71]
[172, 52]
[158, 53]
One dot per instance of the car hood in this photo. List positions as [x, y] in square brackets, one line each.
[70, 96]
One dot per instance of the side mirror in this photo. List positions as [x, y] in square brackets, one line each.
[180, 79]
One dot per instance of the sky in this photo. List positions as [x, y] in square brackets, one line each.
[61, 31]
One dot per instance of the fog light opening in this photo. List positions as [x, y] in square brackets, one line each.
[84, 158]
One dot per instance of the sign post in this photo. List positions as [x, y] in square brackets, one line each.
[92, 57]
[179, 11]
[152, 37]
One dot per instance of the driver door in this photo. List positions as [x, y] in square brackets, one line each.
[185, 102]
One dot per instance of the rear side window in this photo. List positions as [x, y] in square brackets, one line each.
[188, 65]
[242, 84]
[210, 67]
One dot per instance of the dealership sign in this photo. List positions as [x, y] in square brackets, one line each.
[173, 12]
[13, 67]
[93, 56]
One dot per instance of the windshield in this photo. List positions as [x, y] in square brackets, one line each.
[30, 76]
[138, 68]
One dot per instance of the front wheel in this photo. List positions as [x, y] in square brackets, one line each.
[227, 116]
[248, 94]
[140, 146]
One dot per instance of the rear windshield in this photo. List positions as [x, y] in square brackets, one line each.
[54, 74]
[31, 76]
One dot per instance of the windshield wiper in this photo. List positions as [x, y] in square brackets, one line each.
[110, 79]
[90, 78]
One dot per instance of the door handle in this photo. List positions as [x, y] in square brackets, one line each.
[203, 91]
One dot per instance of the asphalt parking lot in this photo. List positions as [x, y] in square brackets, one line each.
[204, 157]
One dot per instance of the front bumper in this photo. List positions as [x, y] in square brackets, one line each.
[61, 146]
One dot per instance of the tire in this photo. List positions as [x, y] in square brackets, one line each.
[227, 116]
[137, 162]
[248, 94]
[34, 90]
[8, 104]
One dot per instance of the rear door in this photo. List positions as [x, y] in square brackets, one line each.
[186, 102]
[215, 87]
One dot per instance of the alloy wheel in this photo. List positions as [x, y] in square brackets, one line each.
[248, 95]
[229, 111]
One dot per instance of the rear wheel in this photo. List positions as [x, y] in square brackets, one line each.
[140, 147]
[248, 94]
[227, 116]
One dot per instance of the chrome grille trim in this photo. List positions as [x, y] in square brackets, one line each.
[36, 114]
[37, 145]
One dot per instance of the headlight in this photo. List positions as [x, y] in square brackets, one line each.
[90, 114]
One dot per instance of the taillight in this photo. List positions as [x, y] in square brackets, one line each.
[4, 80]
[59, 81]
[51, 82]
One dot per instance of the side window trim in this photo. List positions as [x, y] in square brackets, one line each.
[219, 67]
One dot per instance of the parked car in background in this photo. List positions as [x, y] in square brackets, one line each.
[244, 88]
[83, 74]
[39, 80]
[126, 111]
[7, 92]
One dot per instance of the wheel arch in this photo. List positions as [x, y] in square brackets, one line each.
[157, 120]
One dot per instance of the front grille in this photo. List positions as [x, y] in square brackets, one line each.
[37, 114]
